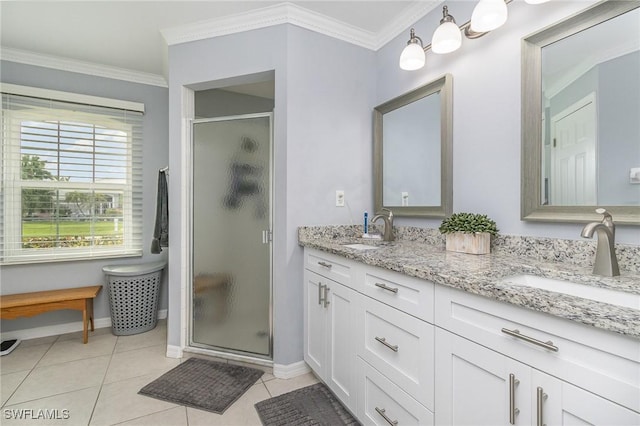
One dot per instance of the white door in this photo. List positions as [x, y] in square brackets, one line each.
[315, 323]
[475, 385]
[573, 155]
[341, 345]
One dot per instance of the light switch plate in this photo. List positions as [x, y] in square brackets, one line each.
[339, 198]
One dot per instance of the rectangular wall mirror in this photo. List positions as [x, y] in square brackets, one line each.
[413, 152]
[580, 116]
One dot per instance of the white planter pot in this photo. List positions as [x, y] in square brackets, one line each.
[478, 243]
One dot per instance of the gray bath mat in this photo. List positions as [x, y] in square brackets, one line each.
[200, 383]
[310, 406]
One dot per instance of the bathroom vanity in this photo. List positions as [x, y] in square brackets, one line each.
[406, 333]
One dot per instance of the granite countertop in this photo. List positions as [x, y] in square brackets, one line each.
[483, 274]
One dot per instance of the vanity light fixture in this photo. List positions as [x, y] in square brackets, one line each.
[447, 37]
[487, 16]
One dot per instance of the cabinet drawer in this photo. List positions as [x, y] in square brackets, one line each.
[380, 402]
[330, 266]
[411, 295]
[399, 346]
[605, 363]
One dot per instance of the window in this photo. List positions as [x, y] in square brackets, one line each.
[71, 177]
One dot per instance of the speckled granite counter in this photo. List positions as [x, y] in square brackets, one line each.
[421, 254]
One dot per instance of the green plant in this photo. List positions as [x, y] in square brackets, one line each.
[469, 223]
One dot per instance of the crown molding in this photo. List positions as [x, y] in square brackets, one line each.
[406, 19]
[283, 13]
[72, 65]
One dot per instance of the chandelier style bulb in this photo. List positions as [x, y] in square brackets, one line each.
[412, 57]
[447, 37]
[488, 15]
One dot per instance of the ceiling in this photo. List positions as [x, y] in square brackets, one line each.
[129, 34]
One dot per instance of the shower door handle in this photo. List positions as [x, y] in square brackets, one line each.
[267, 236]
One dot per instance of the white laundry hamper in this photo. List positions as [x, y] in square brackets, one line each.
[133, 296]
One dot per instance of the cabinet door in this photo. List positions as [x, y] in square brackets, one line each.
[315, 323]
[477, 386]
[556, 402]
[340, 372]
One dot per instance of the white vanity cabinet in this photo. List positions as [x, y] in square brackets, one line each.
[565, 373]
[329, 315]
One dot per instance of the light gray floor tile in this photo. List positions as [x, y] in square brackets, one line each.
[61, 378]
[140, 362]
[119, 402]
[68, 409]
[172, 417]
[72, 350]
[77, 335]
[281, 386]
[22, 358]
[49, 340]
[10, 383]
[155, 337]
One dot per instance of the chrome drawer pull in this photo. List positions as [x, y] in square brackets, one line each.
[540, 398]
[516, 333]
[384, 342]
[325, 264]
[381, 411]
[513, 411]
[386, 287]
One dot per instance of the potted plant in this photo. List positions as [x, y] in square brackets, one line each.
[468, 233]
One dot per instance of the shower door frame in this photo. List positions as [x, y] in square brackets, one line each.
[211, 349]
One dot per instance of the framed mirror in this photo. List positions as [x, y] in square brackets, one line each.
[413, 158]
[580, 117]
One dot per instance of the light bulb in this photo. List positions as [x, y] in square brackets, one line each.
[412, 57]
[488, 15]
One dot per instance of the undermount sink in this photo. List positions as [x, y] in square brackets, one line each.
[359, 246]
[620, 298]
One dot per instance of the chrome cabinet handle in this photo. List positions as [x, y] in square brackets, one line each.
[516, 333]
[325, 264]
[513, 411]
[320, 293]
[540, 398]
[326, 296]
[387, 344]
[382, 411]
[386, 287]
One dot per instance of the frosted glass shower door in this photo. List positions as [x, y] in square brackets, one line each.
[231, 294]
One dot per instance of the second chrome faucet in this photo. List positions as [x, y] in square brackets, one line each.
[387, 234]
[606, 263]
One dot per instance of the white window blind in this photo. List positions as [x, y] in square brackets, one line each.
[71, 180]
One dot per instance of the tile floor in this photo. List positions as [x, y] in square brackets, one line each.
[98, 383]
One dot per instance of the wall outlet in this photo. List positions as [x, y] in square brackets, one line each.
[405, 199]
[339, 198]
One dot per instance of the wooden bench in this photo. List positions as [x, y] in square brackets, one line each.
[30, 304]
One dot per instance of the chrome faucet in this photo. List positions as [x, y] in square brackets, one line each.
[388, 224]
[606, 263]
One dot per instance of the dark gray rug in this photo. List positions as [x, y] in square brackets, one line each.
[200, 383]
[310, 406]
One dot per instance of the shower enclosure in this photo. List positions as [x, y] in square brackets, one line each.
[231, 253]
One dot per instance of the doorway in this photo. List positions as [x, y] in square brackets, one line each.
[231, 238]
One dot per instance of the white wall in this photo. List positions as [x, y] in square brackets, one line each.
[48, 276]
[486, 112]
[322, 142]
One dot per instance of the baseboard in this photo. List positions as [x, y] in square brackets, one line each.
[56, 330]
[174, 351]
[290, 370]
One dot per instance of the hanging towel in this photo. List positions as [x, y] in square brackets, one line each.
[161, 231]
